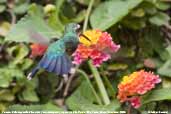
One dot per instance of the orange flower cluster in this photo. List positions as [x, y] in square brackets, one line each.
[37, 50]
[137, 83]
[97, 47]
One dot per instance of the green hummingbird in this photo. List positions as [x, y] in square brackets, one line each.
[55, 58]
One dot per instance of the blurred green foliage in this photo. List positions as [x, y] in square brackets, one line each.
[141, 27]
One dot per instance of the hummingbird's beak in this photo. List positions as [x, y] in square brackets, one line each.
[85, 37]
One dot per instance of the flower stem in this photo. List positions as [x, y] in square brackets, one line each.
[100, 84]
[129, 109]
[87, 15]
[108, 83]
[88, 81]
[94, 70]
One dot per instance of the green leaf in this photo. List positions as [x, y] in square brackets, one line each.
[166, 83]
[53, 17]
[22, 8]
[83, 105]
[68, 10]
[151, 43]
[159, 19]
[4, 82]
[56, 17]
[79, 93]
[59, 4]
[138, 12]
[134, 23]
[3, 1]
[79, 17]
[46, 107]
[162, 5]
[90, 86]
[110, 12]
[32, 21]
[169, 50]
[18, 52]
[165, 69]
[4, 28]
[86, 2]
[157, 95]
[47, 86]
[117, 66]
[2, 106]
[6, 95]
[26, 64]
[126, 52]
[83, 100]
[149, 8]
[7, 75]
[29, 95]
[2, 8]
[50, 106]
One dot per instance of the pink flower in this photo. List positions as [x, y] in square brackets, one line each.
[137, 83]
[135, 101]
[98, 47]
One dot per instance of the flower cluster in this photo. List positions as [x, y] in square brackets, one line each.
[37, 50]
[136, 84]
[96, 45]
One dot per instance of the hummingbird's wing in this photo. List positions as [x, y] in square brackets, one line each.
[60, 65]
[38, 38]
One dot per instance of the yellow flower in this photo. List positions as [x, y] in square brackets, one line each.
[93, 36]
[136, 84]
[95, 45]
[129, 79]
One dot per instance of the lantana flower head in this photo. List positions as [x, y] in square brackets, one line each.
[97, 47]
[136, 84]
[37, 49]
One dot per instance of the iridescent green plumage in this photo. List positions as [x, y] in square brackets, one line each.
[55, 59]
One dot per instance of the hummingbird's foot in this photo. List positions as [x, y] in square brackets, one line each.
[29, 76]
[65, 77]
[73, 70]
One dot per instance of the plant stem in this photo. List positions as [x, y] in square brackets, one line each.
[93, 69]
[87, 15]
[69, 82]
[88, 81]
[129, 109]
[108, 84]
[100, 84]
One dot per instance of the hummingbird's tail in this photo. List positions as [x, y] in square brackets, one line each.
[59, 65]
[32, 73]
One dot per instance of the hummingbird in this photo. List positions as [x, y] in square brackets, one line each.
[56, 59]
